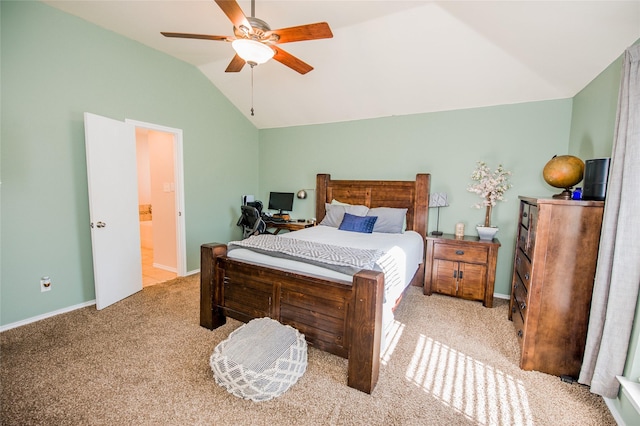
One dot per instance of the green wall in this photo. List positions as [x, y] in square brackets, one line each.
[594, 115]
[54, 68]
[592, 134]
[522, 137]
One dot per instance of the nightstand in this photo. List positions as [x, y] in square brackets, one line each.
[461, 267]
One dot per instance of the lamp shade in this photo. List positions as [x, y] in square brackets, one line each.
[438, 199]
[252, 51]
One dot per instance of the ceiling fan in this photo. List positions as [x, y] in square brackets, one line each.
[255, 42]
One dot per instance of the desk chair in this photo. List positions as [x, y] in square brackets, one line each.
[251, 222]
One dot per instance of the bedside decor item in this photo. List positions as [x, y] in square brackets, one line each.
[490, 186]
[563, 171]
[459, 230]
[486, 232]
[437, 200]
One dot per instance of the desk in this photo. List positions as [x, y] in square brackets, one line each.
[289, 226]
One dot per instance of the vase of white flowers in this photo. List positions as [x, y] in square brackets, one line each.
[490, 186]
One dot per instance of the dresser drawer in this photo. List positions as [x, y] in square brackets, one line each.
[521, 300]
[460, 253]
[523, 238]
[518, 324]
[523, 266]
[533, 223]
[524, 214]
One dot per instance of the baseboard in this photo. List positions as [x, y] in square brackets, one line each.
[165, 268]
[47, 315]
[61, 311]
[501, 296]
[613, 409]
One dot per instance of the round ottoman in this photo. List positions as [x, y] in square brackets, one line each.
[260, 360]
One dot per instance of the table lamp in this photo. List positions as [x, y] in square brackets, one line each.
[437, 200]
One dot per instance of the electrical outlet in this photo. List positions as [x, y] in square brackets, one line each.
[45, 284]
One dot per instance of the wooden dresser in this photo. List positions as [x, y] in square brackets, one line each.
[461, 267]
[553, 272]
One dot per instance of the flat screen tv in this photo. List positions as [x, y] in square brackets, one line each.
[281, 201]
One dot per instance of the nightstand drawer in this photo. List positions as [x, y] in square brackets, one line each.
[460, 253]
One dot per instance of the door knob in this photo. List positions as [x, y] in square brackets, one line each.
[101, 224]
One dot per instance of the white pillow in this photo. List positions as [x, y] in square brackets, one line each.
[335, 213]
[390, 220]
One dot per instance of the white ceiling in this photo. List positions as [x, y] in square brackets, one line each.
[389, 57]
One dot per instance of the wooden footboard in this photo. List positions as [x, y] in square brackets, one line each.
[335, 316]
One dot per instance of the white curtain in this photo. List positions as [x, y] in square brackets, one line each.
[617, 278]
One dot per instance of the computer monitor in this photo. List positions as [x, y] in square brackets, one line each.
[281, 201]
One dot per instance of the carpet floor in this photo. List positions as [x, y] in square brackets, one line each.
[145, 361]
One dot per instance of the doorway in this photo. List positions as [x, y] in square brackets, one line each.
[159, 167]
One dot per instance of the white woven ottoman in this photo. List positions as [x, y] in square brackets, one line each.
[260, 360]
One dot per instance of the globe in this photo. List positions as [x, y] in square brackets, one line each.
[563, 171]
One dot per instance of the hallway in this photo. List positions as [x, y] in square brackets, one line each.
[151, 275]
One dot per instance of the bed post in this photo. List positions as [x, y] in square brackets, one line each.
[421, 203]
[366, 330]
[322, 182]
[210, 315]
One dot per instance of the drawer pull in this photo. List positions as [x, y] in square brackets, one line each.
[523, 306]
[460, 252]
[515, 286]
[455, 274]
[460, 274]
[525, 214]
[526, 276]
[520, 334]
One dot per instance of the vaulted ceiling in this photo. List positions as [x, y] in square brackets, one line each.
[388, 57]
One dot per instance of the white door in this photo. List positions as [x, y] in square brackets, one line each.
[113, 208]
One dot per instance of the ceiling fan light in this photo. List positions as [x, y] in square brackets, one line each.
[252, 51]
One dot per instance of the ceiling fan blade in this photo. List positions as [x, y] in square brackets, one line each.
[291, 61]
[198, 36]
[232, 9]
[303, 32]
[236, 64]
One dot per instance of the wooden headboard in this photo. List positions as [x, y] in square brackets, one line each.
[412, 195]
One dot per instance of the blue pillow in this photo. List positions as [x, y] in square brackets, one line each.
[355, 223]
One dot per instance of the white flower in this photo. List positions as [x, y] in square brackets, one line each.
[490, 186]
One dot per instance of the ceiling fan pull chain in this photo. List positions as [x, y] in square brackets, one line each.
[252, 90]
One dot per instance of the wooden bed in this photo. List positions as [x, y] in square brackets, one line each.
[340, 317]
